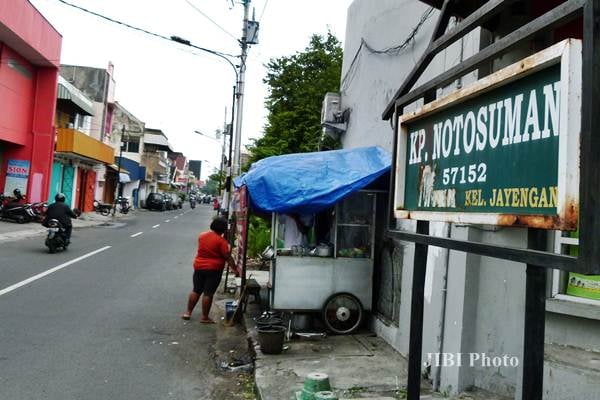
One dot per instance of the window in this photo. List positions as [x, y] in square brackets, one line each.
[132, 145]
[569, 285]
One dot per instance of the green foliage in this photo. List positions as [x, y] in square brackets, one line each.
[214, 183]
[297, 86]
[259, 236]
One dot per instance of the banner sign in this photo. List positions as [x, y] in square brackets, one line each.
[17, 175]
[502, 151]
[239, 206]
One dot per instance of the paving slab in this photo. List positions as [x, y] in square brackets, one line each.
[359, 366]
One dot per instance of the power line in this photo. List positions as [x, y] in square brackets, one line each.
[170, 39]
[211, 20]
[263, 11]
[390, 51]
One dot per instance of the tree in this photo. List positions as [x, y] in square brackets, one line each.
[214, 183]
[297, 85]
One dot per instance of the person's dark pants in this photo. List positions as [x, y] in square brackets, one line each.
[207, 281]
[68, 230]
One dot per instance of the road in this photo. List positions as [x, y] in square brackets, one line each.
[101, 320]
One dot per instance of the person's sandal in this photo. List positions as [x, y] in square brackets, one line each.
[186, 317]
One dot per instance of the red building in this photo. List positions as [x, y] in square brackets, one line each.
[29, 65]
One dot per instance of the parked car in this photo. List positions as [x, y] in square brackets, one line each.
[207, 199]
[169, 202]
[156, 201]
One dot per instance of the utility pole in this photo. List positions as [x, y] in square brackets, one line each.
[119, 184]
[240, 91]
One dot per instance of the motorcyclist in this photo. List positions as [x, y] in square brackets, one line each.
[63, 213]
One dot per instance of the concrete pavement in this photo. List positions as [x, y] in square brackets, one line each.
[359, 366]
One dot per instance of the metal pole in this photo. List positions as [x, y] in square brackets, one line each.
[119, 169]
[229, 180]
[240, 92]
[535, 321]
[415, 349]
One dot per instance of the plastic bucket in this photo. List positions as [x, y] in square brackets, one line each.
[267, 321]
[271, 338]
[229, 310]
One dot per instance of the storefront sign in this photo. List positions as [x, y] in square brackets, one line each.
[503, 151]
[17, 174]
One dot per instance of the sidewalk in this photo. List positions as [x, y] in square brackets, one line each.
[10, 231]
[359, 366]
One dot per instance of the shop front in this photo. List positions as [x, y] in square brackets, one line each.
[28, 86]
[79, 163]
[133, 182]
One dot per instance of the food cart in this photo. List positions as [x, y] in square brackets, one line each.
[332, 274]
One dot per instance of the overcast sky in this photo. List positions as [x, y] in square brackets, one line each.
[167, 86]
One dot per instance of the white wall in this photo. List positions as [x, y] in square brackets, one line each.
[484, 304]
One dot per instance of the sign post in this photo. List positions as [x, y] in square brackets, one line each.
[503, 151]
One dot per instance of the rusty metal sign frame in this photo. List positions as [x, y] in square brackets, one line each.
[536, 258]
[568, 55]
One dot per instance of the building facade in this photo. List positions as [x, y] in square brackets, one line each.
[127, 138]
[78, 156]
[473, 304]
[156, 160]
[98, 85]
[29, 65]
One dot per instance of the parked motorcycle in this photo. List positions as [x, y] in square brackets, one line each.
[123, 205]
[16, 211]
[39, 210]
[103, 209]
[56, 238]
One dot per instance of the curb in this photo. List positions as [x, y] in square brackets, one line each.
[29, 233]
[253, 345]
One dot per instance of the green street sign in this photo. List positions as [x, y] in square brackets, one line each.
[502, 151]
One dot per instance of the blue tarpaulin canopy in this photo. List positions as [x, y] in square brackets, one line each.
[307, 183]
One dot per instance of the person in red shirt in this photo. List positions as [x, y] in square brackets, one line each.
[213, 253]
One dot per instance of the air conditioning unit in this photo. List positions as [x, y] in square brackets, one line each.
[333, 120]
[331, 107]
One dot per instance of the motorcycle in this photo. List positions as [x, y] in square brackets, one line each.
[56, 237]
[192, 202]
[123, 205]
[103, 209]
[16, 211]
[39, 210]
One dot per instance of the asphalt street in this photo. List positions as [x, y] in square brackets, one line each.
[101, 320]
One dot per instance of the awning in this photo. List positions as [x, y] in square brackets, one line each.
[115, 167]
[158, 140]
[310, 182]
[124, 178]
[68, 92]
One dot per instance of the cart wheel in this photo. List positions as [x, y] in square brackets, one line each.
[342, 313]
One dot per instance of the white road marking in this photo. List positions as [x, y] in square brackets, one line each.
[50, 271]
[155, 226]
[137, 234]
[177, 216]
[168, 220]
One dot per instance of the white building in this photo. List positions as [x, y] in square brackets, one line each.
[472, 303]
